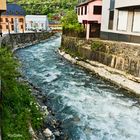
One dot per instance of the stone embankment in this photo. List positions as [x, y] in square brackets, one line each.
[117, 62]
[20, 40]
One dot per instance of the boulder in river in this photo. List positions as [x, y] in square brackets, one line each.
[48, 133]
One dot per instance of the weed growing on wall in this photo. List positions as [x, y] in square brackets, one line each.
[96, 45]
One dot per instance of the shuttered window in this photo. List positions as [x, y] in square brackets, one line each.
[136, 21]
[122, 20]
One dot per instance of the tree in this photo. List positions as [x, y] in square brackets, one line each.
[70, 22]
[46, 7]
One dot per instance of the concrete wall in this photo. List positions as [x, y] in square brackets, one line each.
[105, 15]
[121, 56]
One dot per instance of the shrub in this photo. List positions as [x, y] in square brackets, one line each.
[70, 22]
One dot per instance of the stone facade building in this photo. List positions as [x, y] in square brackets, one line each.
[89, 14]
[121, 20]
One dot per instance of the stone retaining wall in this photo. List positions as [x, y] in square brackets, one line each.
[118, 55]
[15, 40]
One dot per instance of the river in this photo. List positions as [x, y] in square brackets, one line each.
[89, 107]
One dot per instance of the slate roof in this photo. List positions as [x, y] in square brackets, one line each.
[14, 10]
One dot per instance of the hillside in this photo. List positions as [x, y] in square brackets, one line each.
[53, 8]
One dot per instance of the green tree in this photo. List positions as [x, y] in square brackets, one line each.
[47, 7]
[70, 22]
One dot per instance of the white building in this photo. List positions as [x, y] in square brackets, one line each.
[36, 22]
[121, 20]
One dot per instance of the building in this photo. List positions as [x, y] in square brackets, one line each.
[2, 6]
[36, 22]
[121, 20]
[13, 20]
[89, 14]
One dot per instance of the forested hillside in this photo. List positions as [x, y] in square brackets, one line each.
[53, 8]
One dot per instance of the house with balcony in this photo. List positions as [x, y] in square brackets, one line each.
[121, 20]
[89, 14]
[13, 19]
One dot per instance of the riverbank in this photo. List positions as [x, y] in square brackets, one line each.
[51, 127]
[115, 76]
[118, 62]
[86, 106]
[19, 40]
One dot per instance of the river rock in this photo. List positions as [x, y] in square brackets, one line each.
[57, 133]
[45, 110]
[48, 133]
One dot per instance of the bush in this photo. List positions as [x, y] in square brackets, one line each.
[70, 22]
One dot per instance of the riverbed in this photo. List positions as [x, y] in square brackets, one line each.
[88, 107]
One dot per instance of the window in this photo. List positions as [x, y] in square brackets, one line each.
[111, 18]
[7, 27]
[6, 20]
[111, 14]
[81, 10]
[122, 20]
[1, 20]
[12, 26]
[112, 4]
[12, 20]
[21, 20]
[136, 21]
[21, 26]
[85, 9]
[97, 10]
[78, 11]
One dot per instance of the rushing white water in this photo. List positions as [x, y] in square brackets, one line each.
[90, 108]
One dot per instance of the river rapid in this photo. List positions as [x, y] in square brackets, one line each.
[88, 107]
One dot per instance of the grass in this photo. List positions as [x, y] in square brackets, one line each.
[18, 106]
